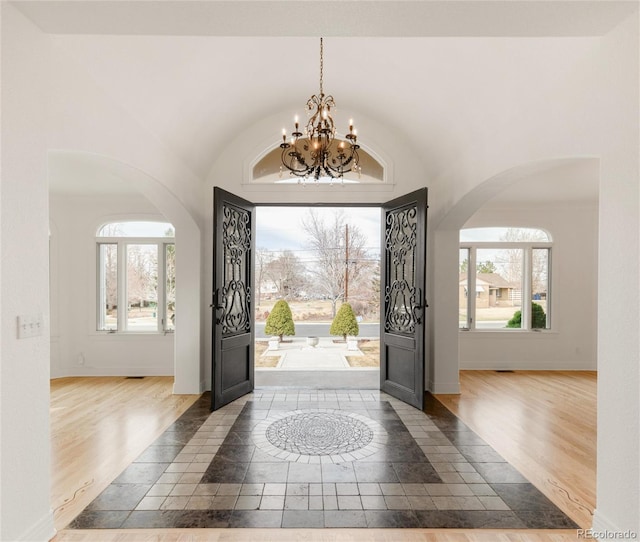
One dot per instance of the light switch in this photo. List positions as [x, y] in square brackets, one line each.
[30, 326]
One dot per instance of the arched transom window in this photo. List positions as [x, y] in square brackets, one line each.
[268, 171]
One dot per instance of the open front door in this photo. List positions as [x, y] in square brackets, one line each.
[233, 328]
[402, 306]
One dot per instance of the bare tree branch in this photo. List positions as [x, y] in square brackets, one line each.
[328, 240]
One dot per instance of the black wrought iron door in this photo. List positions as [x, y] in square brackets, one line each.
[402, 306]
[233, 332]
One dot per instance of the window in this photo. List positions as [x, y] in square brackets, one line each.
[509, 271]
[136, 277]
[463, 304]
[268, 170]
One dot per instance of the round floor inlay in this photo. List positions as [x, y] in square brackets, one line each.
[308, 435]
[319, 433]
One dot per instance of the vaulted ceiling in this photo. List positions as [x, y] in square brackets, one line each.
[445, 75]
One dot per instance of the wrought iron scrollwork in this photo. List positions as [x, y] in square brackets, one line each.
[235, 298]
[402, 307]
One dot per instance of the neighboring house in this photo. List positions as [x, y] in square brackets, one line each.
[268, 289]
[492, 290]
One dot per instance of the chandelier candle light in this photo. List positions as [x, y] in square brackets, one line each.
[315, 154]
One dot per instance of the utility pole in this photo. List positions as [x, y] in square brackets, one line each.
[346, 262]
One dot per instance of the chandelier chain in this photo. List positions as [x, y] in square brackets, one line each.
[321, 66]
[315, 153]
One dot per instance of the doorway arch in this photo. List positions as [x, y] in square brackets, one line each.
[187, 342]
[445, 353]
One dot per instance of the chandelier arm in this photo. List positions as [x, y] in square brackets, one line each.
[345, 163]
[329, 173]
[295, 157]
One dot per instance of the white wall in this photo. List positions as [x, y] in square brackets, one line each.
[25, 510]
[123, 147]
[593, 111]
[618, 482]
[571, 341]
[77, 348]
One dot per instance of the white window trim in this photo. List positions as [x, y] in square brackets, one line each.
[527, 247]
[122, 243]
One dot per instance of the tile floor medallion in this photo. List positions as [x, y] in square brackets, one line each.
[338, 458]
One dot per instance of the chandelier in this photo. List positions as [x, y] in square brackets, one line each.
[316, 153]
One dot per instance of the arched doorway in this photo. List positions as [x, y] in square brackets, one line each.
[94, 187]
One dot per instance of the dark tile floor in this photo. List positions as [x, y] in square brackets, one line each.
[334, 458]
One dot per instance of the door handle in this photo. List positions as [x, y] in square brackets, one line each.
[418, 307]
[216, 306]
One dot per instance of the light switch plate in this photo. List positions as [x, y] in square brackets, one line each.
[30, 326]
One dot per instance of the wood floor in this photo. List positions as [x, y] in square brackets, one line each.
[544, 423]
[98, 427]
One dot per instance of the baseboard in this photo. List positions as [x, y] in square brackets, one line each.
[115, 371]
[185, 390]
[602, 524]
[444, 388]
[526, 366]
[42, 531]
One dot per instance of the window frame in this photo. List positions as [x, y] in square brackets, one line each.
[122, 243]
[527, 268]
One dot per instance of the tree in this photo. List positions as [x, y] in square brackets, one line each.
[512, 257]
[345, 322]
[374, 288]
[110, 262]
[538, 318]
[481, 267]
[170, 311]
[110, 252]
[287, 274]
[280, 320]
[328, 240]
[263, 258]
[142, 275]
[486, 267]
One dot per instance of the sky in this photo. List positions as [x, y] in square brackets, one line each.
[279, 228]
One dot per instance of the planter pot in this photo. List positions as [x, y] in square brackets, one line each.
[274, 343]
[312, 341]
[352, 344]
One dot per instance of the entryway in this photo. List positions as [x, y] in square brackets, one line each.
[321, 265]
[402, 287]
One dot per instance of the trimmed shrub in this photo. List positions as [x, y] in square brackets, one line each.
[345, 322]
[280, 320]
[538, 318]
